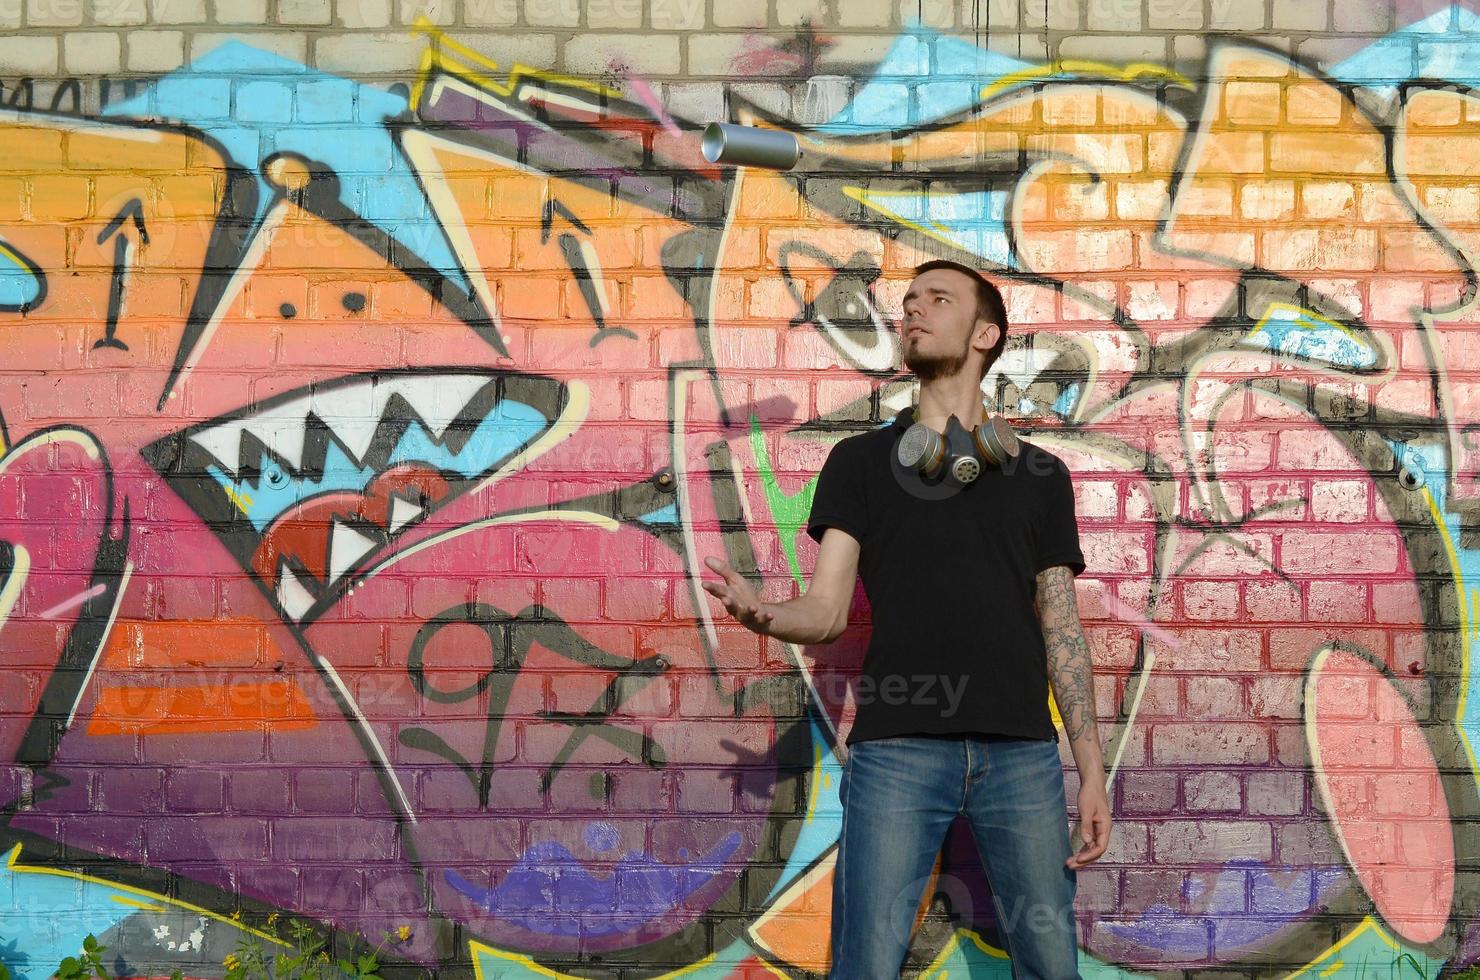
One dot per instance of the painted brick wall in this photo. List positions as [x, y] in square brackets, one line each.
[375, 377]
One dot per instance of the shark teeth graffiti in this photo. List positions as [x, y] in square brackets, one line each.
[307, 488]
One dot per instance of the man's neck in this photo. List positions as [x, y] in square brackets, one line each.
[938, 401]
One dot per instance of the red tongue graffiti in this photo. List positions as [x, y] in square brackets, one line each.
[331, 533]
[308, 487]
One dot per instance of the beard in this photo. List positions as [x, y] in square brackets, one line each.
[933, 367]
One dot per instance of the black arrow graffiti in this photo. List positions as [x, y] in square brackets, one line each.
[586, 275]
[133, 209]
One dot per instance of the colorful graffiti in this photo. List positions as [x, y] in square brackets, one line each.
[362, 447]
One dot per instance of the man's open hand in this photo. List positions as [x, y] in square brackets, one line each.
[741, 601]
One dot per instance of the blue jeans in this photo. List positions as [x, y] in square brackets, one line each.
[899, 796]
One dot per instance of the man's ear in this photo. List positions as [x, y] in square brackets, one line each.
[987, 334]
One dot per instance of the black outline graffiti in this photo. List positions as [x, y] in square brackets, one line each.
[133, 209]
[575, 257]
[26, 265]
[508, 647]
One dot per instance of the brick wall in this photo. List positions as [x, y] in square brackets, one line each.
[377, 375]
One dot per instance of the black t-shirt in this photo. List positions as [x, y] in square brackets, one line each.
[950, 572]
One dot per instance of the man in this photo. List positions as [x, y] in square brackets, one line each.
[971, 587]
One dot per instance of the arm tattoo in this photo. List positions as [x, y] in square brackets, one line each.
[1068, 653]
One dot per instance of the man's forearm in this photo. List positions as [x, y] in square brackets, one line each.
[805, 619]
[1070, 670]
[1074, 692]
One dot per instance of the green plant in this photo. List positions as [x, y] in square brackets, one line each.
[306, 959]
[89, 964]
[1413, 962]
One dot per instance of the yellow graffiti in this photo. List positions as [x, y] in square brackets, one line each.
[772, 969]
[936, 969]
[477, 951]
[691, 968]
[472, 67]
[1092, 69]
[817, 778]
[1368, 924]
[235, 495]
[1302, 315]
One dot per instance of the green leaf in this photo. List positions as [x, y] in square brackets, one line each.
[90, 943]
[344, 967]
[368, 964]
[1408, 957]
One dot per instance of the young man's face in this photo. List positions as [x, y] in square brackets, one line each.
[941, 324]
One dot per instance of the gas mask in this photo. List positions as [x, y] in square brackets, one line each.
[958, 453]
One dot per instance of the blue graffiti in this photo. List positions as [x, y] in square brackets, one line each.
[925, 76]
[549, 878]
[824, 811]
[974, 220]
[1445, 46]
[257, 104]
[664, 515]
[53, 913]
[1286, 330]
[1064, 404]
[1219, 901]
[22, 283]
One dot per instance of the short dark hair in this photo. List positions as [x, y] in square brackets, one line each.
[989, 305]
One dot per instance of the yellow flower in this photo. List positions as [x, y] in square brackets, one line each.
[271, 917]
[236, 916]
[231, 961]
[404, 933]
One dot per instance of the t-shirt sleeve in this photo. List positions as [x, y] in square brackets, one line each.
[839, 501]
[1058, 538]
